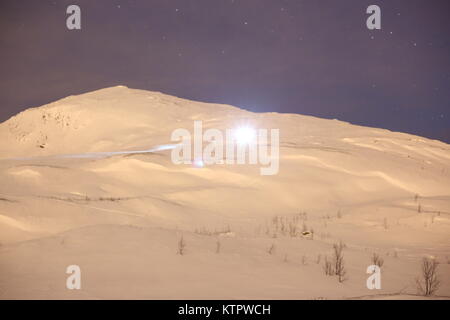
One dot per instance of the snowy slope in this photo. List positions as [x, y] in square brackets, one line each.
[120, 216]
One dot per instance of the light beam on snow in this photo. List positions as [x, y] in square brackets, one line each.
[105, 154]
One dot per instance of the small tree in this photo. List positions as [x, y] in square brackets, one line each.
[338, 261]
[377, 260]
[181, 246]
[218, 245]
[271, 249]
[429, 282]
[328, 267]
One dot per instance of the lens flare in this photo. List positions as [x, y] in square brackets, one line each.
[245, 135]
[199, 163]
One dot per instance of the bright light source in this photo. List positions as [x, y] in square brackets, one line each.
[199, 163]
[245, 135]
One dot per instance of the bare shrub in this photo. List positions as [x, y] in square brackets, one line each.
[217, 232]
[328, 267]
[377, 260]
[181, 246]
[339, 214]
[338, 261]
[271, 249]
[281, 226]
[428, 283]
[275, 223]
[218, 245]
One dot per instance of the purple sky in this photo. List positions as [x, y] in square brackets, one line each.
[312, 57]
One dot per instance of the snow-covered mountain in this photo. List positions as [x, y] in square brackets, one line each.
[120, 216]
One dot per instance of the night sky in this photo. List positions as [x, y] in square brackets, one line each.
[313, 57]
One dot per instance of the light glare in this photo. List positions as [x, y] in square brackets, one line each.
[245, 135]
